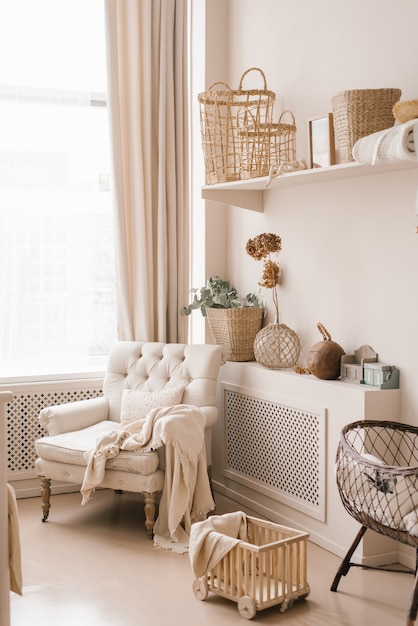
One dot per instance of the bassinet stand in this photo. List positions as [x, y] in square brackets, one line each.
[346, 563]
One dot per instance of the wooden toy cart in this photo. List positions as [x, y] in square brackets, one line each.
[268, 569]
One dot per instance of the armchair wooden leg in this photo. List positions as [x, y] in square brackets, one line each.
[149, 513]
[45, 497]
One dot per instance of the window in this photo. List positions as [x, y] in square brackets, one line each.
[56, 232]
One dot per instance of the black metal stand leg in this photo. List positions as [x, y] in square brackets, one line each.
[346, 564]
[412, 613]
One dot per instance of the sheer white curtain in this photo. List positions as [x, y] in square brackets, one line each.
[147, 76]
[56, 230]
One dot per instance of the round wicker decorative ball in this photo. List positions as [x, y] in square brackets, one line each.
[276, 346]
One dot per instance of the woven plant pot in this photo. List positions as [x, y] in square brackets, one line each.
[361, 112]
[235, 330]
[276, 346]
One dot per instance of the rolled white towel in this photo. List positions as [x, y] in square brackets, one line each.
[392, 145]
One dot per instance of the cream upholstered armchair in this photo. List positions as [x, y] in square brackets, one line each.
[159, 374]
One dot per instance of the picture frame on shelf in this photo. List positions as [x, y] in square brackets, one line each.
[321, 141]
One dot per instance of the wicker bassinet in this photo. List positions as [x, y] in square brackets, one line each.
[377, 469]
[377, 479]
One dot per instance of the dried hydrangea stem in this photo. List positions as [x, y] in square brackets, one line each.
[276, 305]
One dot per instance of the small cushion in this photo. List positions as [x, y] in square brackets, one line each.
[136, 404]
[71, 448]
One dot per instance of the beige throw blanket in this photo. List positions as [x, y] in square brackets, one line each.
[186, 494]
[15, 565]
[212, 539]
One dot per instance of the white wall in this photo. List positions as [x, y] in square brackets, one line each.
[350, 252]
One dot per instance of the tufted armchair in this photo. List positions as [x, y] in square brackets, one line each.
[155, 373]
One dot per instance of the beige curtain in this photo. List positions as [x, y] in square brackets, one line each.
[148, 104]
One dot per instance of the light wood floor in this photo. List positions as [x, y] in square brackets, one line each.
[95, 566]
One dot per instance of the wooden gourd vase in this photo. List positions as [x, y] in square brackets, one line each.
[324, 358]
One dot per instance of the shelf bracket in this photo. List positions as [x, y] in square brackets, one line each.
[245, 199]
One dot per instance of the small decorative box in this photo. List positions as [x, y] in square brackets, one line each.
[382, 376]
[352, 365]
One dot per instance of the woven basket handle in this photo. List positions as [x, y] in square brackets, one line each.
[220, 83]
[284, 113]
[251, 70]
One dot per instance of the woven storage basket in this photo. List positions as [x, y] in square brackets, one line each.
[361, 112]
[222, 111]
[264, 145]
[235, 330]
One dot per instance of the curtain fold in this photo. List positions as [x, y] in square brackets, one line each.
[148, 107]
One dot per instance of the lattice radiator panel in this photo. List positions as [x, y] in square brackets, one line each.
[276, 448]
[23, 426]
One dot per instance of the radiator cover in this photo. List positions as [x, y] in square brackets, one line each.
[23, 427]
[276, 446]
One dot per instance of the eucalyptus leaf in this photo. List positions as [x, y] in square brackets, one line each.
[220, 294]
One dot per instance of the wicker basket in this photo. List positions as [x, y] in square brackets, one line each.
[264, 145]
[361, 112]
[235, 330]
[222, 112]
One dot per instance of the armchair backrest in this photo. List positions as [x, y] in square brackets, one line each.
[152, 366]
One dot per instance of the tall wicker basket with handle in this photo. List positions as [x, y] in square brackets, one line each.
[361, 112]
[222, 111]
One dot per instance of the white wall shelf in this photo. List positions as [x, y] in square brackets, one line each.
[249, 194]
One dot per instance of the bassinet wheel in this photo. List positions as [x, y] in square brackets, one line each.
[247, 607]
[200, 588]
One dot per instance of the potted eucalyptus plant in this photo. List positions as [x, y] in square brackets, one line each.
[233, 320]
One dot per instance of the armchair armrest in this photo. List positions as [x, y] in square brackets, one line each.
[63, 418]
[211, 415]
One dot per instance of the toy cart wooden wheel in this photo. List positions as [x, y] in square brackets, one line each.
[247, 607]
[200, 588]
